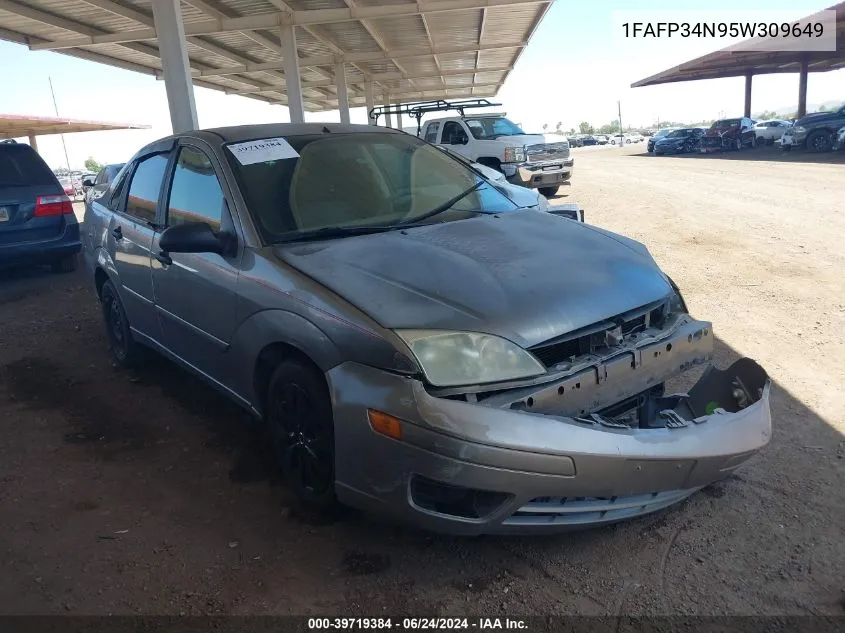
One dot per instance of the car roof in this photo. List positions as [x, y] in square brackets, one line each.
[240, 133]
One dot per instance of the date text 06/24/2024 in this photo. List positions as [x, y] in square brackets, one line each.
[415, 624]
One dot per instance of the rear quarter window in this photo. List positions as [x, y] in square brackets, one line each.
[20, 165]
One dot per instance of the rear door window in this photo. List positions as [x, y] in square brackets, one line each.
[145, 188]
[20, 165]
[431, 132]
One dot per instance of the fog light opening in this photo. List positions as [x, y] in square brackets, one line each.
[468, 503]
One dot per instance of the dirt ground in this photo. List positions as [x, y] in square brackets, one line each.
[125, 493]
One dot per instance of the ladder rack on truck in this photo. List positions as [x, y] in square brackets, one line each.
[417, 109]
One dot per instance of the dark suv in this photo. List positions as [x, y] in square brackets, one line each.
[37, 224]
[817, 131]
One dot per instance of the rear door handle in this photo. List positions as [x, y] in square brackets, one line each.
[117, 233]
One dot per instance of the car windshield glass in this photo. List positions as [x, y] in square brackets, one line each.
[492, 127]
[359, 181]
[20, 165]
[679, 134]
[726, 123]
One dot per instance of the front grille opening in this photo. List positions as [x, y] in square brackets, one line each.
[468, 503]
[594, 339]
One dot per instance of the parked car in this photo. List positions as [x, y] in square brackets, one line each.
[87, 181]
[97, 186]
[839, 143]
[680, 141]
[621, 139]
[407, 336]
[530, 160]
[67, 186]
[589, 139]
[729, 134]
[657, 135]
[602, 139]
[574, 141]
[768, 132]
[37, 224]
[817, 131]
[521, 196]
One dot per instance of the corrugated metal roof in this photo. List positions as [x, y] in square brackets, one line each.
[411, 50]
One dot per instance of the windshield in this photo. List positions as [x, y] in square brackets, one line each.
[726, 123]
[679, 134]
[492, 127]
[349, 181]
[660, 133]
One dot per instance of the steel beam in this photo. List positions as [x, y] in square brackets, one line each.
[342, 96]
[293, 83]
[748, 78]
[369, 101]
[802, 89]
[167, 15]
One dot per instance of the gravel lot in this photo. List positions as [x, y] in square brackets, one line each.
[148, 493]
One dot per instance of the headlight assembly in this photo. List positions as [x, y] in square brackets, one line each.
[514, 154]
[800, 129]
[468, 358]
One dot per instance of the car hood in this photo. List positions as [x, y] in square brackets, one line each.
[520, 140]
[528, 276]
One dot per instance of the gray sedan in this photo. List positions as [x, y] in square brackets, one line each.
[416, 343]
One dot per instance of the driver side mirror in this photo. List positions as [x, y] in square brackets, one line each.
[87, 183]
[192, 237]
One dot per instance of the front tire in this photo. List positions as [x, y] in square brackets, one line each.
[122, 346]
[299, 416]
[820, 141]
[549, 192]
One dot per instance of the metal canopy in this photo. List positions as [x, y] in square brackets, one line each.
[409, 50]
[735, 62]
[16, 126]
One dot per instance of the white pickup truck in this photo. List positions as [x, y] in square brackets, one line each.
[494, 141]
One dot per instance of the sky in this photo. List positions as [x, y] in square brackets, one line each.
[576, 68]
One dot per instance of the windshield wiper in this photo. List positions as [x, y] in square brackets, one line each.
[332, 232]
[445, 206]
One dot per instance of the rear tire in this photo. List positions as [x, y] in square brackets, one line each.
[64, 265]
[549, 192]
[299, 416]
[125, 351]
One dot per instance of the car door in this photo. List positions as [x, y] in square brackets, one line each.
[130, 237]
[195, 293]
[456, 137]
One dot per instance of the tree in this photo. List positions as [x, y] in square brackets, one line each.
[545, 126]
[92, 165]
[557, 127]
[585, 128]
[822, 108]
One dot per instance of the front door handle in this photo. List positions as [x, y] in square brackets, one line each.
[164, 258]
[117, 233]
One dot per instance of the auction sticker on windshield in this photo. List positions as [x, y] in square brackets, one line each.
[262, 150]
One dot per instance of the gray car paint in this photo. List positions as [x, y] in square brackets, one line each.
[524, 275]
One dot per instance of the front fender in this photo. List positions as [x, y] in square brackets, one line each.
[275, 326]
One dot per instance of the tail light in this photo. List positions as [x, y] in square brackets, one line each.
[52, 205]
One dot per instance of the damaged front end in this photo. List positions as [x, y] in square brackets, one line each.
[614, 374]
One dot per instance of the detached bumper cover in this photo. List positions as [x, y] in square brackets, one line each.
[521, 471]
